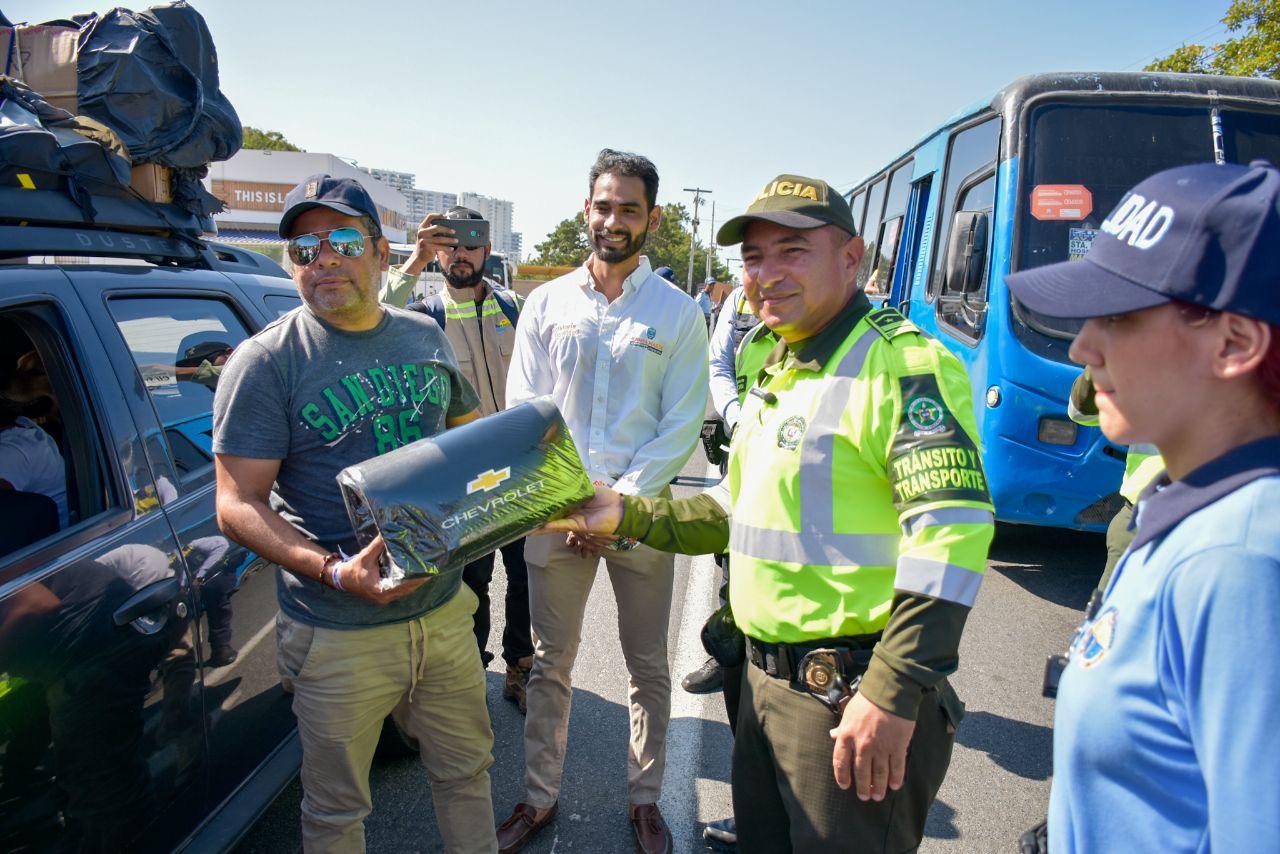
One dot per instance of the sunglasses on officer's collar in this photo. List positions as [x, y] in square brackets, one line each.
[347, 242]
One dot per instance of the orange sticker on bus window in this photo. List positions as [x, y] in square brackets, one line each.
[1061, 202]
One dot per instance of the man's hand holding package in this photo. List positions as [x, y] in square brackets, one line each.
[594, 522]
[361, 576]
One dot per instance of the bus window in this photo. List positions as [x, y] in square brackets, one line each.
[885, 234]
[875, 202]
[1107, 148]
[963, 312]
[858, 206]
[972, 149]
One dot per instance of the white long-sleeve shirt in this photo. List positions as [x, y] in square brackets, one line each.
[630, 377]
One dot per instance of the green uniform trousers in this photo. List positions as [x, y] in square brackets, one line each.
[1119, 535]
[785, 796]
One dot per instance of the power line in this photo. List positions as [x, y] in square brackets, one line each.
[1192, 39]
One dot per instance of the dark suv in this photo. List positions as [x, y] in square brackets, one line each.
[140, 706]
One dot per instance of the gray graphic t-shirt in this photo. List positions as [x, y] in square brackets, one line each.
[319, 399]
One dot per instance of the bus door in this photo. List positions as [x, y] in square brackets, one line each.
[909, 252]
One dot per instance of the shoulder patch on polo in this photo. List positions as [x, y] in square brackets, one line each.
[891, 323]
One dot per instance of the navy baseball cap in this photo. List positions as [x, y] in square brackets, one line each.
[344, 195]
[666, 273]
[1206, 234]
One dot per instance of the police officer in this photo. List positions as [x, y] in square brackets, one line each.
[857, 521]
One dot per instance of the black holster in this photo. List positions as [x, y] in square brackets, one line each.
[722, 638]
[714, 441]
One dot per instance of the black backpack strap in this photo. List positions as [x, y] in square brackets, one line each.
[509, 302]
[432, 307]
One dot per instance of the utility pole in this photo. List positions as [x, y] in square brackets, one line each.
[711, 244]
[693, 232]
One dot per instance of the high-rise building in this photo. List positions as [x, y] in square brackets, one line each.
[498, 213]
[423, 202]
[402, 181]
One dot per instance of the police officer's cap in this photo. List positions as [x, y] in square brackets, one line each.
[792, 201]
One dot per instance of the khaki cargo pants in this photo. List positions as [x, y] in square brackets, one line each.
[344, 685]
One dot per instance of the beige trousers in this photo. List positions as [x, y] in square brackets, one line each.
[559, 584]
[345, 684]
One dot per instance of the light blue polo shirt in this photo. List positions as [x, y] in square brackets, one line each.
[1167, 732]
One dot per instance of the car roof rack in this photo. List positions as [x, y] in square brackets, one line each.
[50, 222]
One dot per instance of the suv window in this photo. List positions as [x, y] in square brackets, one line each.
[281, 304]
[53, 474]
[180, 345]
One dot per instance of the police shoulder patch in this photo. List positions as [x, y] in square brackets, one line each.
[931, 458]
[891, 323]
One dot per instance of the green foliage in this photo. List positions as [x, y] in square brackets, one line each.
[567, 245]
[271, 140]
[1252, 51]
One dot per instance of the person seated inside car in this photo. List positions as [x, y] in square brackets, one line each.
[29, 457]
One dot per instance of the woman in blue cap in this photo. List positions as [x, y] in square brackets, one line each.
[1165, 731]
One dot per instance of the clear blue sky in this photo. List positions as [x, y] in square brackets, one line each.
[719, 95]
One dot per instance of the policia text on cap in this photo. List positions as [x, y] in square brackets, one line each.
[863, 529]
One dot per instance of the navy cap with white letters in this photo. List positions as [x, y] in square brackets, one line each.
[1205, 234]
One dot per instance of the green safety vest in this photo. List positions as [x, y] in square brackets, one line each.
[1142, 465]
[749, 360]
[862, 478]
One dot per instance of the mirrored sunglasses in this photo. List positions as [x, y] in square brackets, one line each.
[347, 242]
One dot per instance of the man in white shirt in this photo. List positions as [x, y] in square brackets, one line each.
[30, 461]
[623, 354]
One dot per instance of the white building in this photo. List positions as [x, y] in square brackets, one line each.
[402, 181]
[254, 183]
[498, 213]
[423, 202]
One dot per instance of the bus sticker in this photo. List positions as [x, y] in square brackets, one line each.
[1078, 242]
[1061, 202]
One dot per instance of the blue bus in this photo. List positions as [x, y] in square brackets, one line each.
[1026, 178]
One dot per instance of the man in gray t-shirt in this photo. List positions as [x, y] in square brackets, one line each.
[319, 398]
[336, 382]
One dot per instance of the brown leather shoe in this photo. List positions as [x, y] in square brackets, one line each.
[652, 834]
[524, 824]
[513, 688]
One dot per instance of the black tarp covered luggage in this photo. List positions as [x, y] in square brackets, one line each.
[43, 147]
[152, 76]
[442, 502]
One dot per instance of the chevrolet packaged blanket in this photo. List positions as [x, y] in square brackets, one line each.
[442, 502]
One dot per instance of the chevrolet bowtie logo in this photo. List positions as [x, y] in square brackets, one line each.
[488, 480]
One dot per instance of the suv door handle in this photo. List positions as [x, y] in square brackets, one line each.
[139, 609]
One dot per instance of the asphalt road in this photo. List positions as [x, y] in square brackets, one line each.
[998, 784]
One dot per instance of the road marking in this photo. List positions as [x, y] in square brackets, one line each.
[684, 736]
